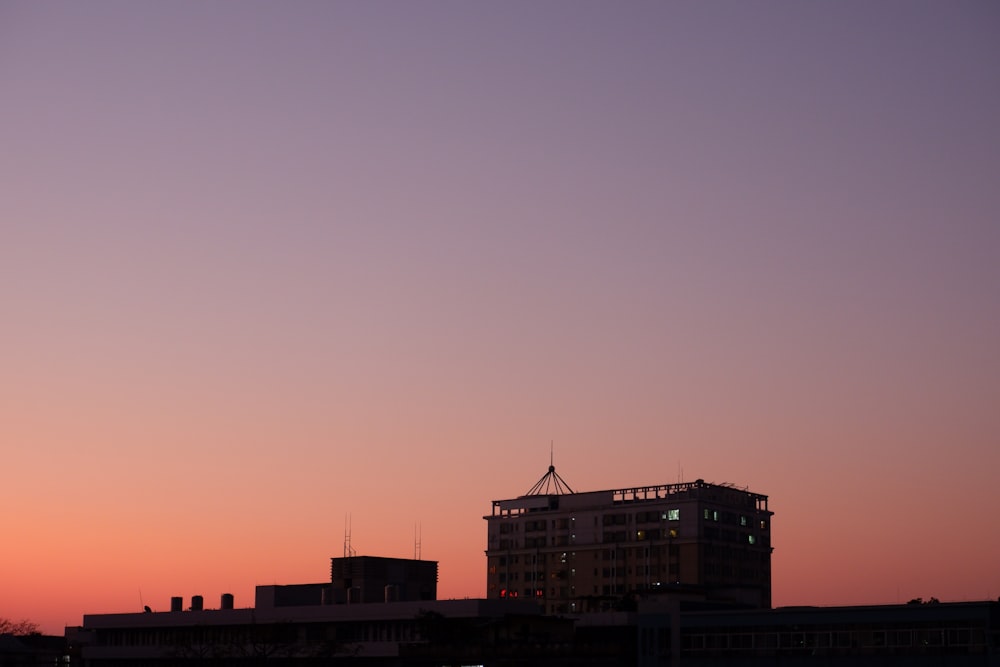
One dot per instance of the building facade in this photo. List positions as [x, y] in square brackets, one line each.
[600, 550]
[378, 579]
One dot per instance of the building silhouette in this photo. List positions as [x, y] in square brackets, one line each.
[376, 579]
[647, 576]
[601, 550]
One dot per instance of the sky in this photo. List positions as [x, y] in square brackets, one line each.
[273, 271]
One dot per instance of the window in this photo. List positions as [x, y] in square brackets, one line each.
[743, 520]
[751, 539]
[674, 515]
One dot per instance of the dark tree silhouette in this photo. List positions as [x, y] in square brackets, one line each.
[20, 628]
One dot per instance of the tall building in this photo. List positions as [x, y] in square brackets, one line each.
[596, 551]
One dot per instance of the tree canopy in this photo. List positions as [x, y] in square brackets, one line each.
[22, 627]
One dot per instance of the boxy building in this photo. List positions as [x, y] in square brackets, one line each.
[378, 579]
[599, 550]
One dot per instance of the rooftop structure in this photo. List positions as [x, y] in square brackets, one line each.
[377, 579]
[596, 551]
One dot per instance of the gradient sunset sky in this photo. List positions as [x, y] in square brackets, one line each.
[266, 265]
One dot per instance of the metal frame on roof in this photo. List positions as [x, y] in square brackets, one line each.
[550, 480]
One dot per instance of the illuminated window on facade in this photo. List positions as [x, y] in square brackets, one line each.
[674, 515]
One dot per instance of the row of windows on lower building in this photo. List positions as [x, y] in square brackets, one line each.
[570, 591]
[637, 553]
[853, 640]
[640, 554]
[284, 634]
[604, 572]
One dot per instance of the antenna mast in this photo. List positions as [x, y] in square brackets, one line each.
[348, 550]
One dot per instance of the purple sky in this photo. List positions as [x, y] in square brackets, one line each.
[265, 260]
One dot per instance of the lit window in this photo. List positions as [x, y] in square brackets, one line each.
[674, 515]
[743, 520]
[751, 539]
[640, 535]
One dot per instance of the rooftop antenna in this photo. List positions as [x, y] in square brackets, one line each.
[348, 550]
[550, 480]
[416, 540]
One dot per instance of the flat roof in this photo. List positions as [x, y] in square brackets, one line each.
[633, 494]
[370, 611]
